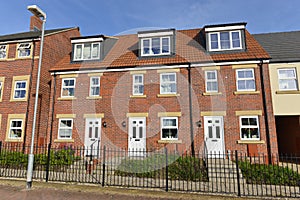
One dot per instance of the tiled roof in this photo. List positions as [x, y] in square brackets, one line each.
[189, 49]
[282, 46]
[29, 34]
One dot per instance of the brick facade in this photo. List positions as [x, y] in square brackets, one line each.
[56, 46]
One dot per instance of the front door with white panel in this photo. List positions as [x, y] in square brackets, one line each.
[92, 136]
[214, 135]
[137, 136]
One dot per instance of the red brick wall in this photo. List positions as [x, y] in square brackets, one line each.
[56, 46]
[116, 89]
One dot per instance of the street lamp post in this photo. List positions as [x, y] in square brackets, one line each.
[40, 14]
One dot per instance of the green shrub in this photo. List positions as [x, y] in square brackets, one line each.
[180, 168]
[269, 174]
[64, 157]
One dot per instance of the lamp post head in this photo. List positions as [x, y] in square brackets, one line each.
[34, 9]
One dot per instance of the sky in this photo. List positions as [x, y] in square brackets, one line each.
[115, 17]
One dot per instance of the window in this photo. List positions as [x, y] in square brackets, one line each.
[226, 40]
[87, 51]
[65, 128]
[169, 128]
[3, 51]
[95, 86]
[68, 87]
[138, 84]
[155, 46]
[20, 90]
[287, 79]
[24, 50]
[249, 128]
[168, 83]
[15, 129]
[211, 81]
[245, 80]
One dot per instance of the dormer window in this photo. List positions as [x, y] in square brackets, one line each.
[87, 51]
[225, 37]
[3, 51]
[156, 43]
[227, 40]
[24, 50]
[156, 46]
[87, 48]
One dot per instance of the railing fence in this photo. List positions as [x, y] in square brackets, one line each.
[232, 173]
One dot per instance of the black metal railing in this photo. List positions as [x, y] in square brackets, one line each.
[232, 173]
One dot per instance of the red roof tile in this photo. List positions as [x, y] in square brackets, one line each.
[188, 50]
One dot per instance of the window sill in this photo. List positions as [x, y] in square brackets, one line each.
[211, 93]
[64, 140]
[250, 142]
[288, 92]
[168, 95]
[169, 141]
[14, 140]
[18, 100]
[66, 98]
[138, 96]
[246, 92]
[94, 97]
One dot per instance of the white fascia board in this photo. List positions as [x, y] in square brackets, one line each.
[19, 41]
[229, 63]
[121, 70]
[159, 67]
[87, 40]
[155, 34]
[225, 28]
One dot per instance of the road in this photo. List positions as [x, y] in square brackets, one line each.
[15, 190]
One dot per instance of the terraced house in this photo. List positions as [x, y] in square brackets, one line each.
[284, 66]
[19, 56]
[189, 90]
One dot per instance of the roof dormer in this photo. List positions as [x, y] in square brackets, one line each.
[87, 48]
[156, 43]
[225, 37]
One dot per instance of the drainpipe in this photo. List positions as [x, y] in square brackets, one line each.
[264, 98]
[52, 109]
[191, 111]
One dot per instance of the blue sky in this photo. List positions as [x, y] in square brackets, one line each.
[112, 17]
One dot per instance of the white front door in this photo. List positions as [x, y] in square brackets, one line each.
[214, 135]
[92, 136]
[137, 136]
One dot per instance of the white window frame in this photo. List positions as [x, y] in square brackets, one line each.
[24, 47]
[160, 46]
[172, 127]
[207, 80]
[15, 128]
[20, 89]
[82, 51]
[230, 41]
[65, 128]
[249, 126]
[245, 79]
[67, 87]
[287, 78]
[137, 84]
[3, 51]
[168, 82]
[94, 85]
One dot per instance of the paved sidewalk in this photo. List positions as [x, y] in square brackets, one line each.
[15, 190]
